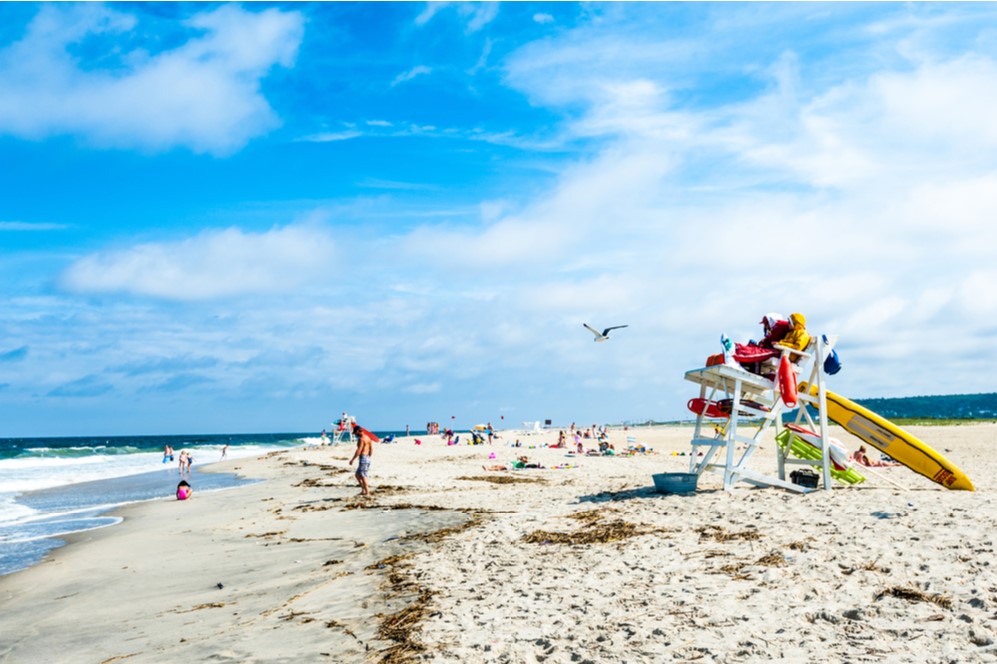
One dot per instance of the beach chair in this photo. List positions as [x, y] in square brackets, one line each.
[792, 442]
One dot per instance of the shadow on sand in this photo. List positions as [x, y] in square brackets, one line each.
[639, 492]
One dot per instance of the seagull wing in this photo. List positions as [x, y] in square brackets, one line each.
[592, 330]
[615, 327]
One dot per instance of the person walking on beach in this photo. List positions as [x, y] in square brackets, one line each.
[365, 448]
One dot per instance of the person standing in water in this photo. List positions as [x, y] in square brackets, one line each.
[365, 448]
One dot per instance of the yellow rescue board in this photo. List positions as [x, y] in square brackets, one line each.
[894, 441]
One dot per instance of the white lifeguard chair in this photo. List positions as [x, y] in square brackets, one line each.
[344, 430]
[755, 405]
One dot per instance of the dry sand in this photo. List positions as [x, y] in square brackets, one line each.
[559, 565]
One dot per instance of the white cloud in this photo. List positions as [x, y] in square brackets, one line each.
[418, 70]
[202, 95]
[478, 14]
[31, 226]
[542, 18]
[331, 136]
[427, 14]
[214, 264]
[475, 14]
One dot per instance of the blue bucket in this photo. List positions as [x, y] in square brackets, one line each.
[675, 482]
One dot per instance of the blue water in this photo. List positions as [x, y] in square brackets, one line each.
[50, 487]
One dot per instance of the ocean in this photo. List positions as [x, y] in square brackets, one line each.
[51, 487]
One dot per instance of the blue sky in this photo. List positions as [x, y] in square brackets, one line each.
[234, 218]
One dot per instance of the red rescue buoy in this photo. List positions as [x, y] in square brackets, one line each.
[706, 407]
[787, 383]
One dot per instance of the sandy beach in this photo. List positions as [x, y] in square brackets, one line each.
[449, 562]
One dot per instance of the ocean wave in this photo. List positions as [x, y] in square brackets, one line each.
[81, 451]
[49, 462]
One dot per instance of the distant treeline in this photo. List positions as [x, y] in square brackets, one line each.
[942, 407]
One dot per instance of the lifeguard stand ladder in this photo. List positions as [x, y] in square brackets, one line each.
[344, 431]
[747, 424]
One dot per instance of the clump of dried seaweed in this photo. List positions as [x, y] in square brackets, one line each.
[402, 628]
[335, 470]
[389, 561]
[588, 516]
[311, 507]
[733, 568]
[311, 482]
[720, 534]
[475, 520]
[773, 559]
[371, 503]
[870, 566]
[209, 605]
[593, 533]
[914, 595]
[391, 489]
[503, 479]
[270, 535]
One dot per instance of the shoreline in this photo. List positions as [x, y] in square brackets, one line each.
[68, 509]
[580, 562]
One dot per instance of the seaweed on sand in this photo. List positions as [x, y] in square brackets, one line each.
[503, 479]
[721, 534]
[593, 533]
[914, 595]
[588, 516]
[475, 520]
[403, 627]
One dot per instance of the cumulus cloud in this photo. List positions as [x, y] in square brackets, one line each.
[213, 264]
[203, 95]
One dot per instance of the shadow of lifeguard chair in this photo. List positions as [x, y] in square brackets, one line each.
[755, 404]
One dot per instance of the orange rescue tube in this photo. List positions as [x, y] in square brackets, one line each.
[787, 383]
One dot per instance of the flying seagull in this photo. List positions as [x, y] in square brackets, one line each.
[604, 335]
